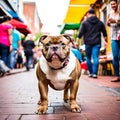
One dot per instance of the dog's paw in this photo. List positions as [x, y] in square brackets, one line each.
[39, 102]
[41, 110]
[67, 99]
[75, 108]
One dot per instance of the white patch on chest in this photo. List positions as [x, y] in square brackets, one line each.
[58, 77]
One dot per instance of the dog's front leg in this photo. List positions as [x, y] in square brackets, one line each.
[43, 89]
[73, 92]
[66, 96]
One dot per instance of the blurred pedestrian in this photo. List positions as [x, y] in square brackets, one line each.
[91, 30]
[3, 68]
[19, 59]
[77, 53]
[16, 45]
[29, 46]
[5, 38]
[113, 21]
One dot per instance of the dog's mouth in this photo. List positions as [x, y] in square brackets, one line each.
[55, 57]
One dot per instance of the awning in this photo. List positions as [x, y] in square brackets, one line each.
[76, 10]
[82, 2]
[7, 9]
[68, 26]
[17, 24]
[75, 13]
[25, 31]
[20, 26]
[2, 12]
[14, 15]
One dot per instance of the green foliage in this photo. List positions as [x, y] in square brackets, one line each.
[37, 37]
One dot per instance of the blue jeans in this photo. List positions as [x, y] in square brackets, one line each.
[4, 53]
[92, 57]
[116, 56]
[29, 61]
[12, 58]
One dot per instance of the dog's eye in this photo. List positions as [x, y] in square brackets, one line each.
[47, 45]
[63, 45]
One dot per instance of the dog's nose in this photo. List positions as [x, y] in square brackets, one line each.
[55, 48]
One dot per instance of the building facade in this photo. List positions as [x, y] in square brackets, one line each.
[32, 18]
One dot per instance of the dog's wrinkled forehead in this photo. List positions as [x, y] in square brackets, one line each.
[55, 39]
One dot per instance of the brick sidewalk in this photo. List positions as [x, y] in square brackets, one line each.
[105, 82]
[19, 95]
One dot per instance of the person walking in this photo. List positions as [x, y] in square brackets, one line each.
[19, 59]
[91, 30]
[16, 45]
[29, 46]
[114, 24]
[5, 38]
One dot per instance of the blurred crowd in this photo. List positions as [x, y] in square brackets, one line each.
[16, 53]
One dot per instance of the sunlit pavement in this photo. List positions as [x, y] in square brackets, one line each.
[98, 98]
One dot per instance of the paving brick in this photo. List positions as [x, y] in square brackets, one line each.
[14, 117]
[43, 117]
[3, 117]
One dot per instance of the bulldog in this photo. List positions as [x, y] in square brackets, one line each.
[59, 69]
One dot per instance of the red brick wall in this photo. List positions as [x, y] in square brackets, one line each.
[29, 11]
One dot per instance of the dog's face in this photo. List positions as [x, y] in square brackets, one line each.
[56, 49]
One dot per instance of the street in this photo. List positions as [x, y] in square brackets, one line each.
[99, 99]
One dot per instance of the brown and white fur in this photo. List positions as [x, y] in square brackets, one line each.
[58, 68]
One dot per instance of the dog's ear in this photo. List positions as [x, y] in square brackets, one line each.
[42, 38]
[69, 38]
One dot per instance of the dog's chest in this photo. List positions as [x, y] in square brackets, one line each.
[58, 78]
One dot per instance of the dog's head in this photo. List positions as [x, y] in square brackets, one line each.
[56, 49]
